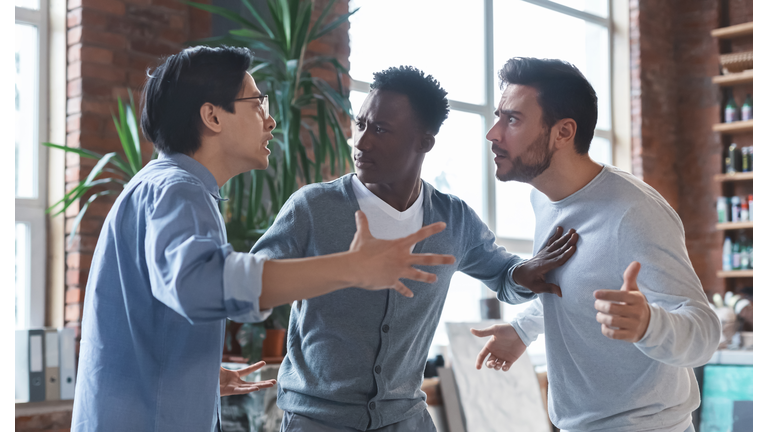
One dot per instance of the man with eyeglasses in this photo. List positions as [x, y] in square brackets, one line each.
[356, 358]
[163, 278]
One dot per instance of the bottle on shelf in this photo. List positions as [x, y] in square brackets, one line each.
[735, 209]
[746, 108]
[727, 254]
[736, 256]
[733, 164]
[722, 209]
[751, 214]
[746, 159]
[744, 249]
[744, 214]
[731, 111]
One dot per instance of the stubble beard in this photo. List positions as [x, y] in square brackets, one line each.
[538, 153]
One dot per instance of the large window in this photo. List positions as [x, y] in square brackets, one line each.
[31, 128]
[463, 45]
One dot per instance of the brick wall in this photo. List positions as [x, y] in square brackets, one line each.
[674, 105]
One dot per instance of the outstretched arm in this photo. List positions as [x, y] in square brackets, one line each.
[370, 263]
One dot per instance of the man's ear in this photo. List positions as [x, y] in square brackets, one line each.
[564, 132]
[427, 142]
[209, 114]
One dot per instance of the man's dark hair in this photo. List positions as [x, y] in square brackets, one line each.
[424, 93]
[564, 92]
[175, 91]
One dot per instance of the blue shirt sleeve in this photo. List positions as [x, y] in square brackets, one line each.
[192, 269]
[490, 263]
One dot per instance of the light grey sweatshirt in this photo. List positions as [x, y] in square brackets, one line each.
[597, 383]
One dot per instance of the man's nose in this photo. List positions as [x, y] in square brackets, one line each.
[270, 123]
[361, 141]
[492, 134]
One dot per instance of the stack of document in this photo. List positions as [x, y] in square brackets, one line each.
[45, 364]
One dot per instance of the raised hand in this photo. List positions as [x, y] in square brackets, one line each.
[502, 349]
[624, 314]
[230, 382]
[380, 264]
[532, 273]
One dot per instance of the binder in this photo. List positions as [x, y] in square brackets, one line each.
[30, 365]
[52, 390]
[67, 363]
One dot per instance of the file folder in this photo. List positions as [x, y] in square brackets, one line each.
[67, 363]
[30, 366]
[52, 390]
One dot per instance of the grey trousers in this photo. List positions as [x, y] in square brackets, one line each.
[299, 423]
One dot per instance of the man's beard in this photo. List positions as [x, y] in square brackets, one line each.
[541, 156]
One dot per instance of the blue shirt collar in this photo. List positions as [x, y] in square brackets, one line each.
[196, 169]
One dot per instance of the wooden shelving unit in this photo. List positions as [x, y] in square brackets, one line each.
[735, 274]
[734, 127]
[740, 183]
[735, 177]
[734, 31]
[727, 226]
[733, 79]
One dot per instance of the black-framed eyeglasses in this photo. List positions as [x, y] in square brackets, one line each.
[263, 106]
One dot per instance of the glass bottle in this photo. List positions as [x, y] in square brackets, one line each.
[746, 108]
[731, 111]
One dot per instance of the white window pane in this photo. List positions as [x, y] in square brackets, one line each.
[22, 273]
[600, 151]
[28, 4]
[356, 99]
[514, 213]
[455, 163]
[525, 30]
[445, 42]
[595, 7]
[462, 304]
[26, 68]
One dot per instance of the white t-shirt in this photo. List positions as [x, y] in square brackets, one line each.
[384, 221]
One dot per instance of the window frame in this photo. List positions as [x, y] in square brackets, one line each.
[486, 110]
[32, 210]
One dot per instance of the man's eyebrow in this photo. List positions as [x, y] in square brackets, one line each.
[509, 113]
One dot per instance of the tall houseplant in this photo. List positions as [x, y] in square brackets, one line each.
[120, 168]
[304, 106]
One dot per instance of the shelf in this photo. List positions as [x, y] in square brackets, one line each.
[732, 357]
[725, 226]
[735, 274]
[734, 127]
[734, 78]
[742, 176]
[734, 31]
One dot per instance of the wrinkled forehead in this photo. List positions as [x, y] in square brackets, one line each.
[518, 97]
[386, 105]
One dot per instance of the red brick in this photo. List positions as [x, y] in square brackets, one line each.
[114, 7]
[74, 35]
[170, 4]
[83, 243]
[74, 295]
[73, 4]
[74, 105]
[76, 260]
[74, 17]
[102, 38]
[73, 312]
[103, 72]
[75, 88]
[98, 55]
[77, 277]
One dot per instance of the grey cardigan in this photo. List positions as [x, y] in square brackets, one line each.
[355, 357]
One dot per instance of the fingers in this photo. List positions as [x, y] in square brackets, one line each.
[561, 241]
[616, 333]
[421, 276]
[555, 236]
[483, 332]
[361, 221]
[616, 321]
[402, 289]
[432, 259]
[630, 277]
[618, 296]
[424, 233]
[481, 357]
[550, 288]
[247, 371]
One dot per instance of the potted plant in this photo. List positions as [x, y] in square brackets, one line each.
[303, 105]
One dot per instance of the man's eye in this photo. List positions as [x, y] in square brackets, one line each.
[379, 129]
[359, 124]
[512, 120]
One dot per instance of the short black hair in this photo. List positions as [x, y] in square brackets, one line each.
[424, 93]
[564, 92]
[175, 91]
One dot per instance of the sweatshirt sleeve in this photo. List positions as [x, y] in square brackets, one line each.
[490, 263]
[529, 324]
[683, 330]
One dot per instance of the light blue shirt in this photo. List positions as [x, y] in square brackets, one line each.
[162, 281]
